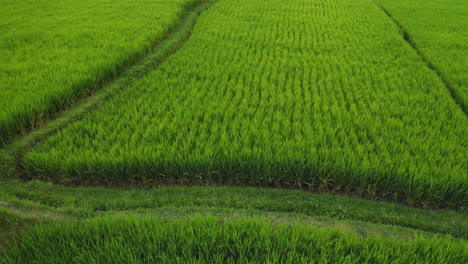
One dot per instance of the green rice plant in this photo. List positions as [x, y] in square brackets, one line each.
[209, 239]
[53, 52]
[437, 29]
[323, 95]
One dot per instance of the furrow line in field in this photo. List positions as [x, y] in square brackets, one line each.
[407, 37]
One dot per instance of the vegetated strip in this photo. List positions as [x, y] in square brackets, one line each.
[36, 196]
[408, 39]
[18, 221]
[202, 239]
[44, 203]
[167, 46]
[48, 215]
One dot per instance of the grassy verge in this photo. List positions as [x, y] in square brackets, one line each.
[201, 239]
[85, 202]
[26, 204]
[12, 225]
[141, 67]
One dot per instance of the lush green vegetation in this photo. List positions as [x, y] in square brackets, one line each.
[312, 94]
[30, 203]
[438, 30]
[83, 202]
[53, 52]
[202, 239]
[11, 226]
[315, 94]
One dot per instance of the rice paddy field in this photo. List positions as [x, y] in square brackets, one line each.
[359, 105]
[294, 93]
[54, 52]
[437, 29]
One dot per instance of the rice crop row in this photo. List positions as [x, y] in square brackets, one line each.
[438, 29]
[55, 51]
[207, 239]
[309, 93]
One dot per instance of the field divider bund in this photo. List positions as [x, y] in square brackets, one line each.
[407, 37]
